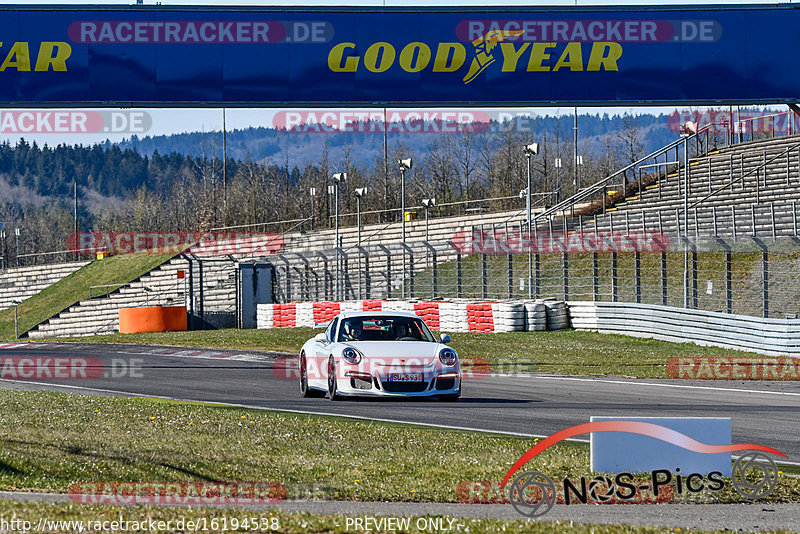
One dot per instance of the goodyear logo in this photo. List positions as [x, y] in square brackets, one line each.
[50, 55]
[492, 50]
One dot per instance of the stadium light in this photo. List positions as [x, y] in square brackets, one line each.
[428, 203]
[360, 192]
[405, 165]
[313, 192]
[531, 149]
[338, 178]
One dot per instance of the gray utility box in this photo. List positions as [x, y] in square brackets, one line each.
[256, 282]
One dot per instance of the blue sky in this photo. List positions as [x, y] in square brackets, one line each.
[166, 121]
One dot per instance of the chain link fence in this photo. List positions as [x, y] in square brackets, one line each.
[752, 276]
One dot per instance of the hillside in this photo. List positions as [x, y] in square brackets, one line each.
[304, 148]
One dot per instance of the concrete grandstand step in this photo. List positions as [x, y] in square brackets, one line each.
[20, 283]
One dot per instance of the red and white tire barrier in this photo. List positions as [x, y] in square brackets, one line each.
[445, 316]
[308, 313]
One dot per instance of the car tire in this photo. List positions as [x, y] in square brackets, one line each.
[332, 394]
[306, 391]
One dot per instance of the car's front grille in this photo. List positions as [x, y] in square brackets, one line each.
[404, 387]
[361, 382]
[445, 383]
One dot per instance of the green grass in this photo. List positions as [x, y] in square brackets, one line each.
[288, 523]
[75, 287]
[53, 440]
[563, 352]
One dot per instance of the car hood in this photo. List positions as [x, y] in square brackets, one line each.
[424, 352]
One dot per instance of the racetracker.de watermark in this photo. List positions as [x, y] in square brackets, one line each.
[618, 31]
[74, 121]
[402, 121]
[199, 31]
[68, 368]
[745, 368]
[198, 243]
[288, 368]
[177, 493]
[515, 242]
[743, 121]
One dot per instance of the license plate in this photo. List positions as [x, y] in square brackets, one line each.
[405, 377]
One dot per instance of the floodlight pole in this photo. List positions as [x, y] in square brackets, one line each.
[426, 222]
[403, 214]
[313, 192]
[358, 217]
[530, 224]
[338, 265]
[686, 222]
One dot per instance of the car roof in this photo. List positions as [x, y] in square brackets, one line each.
[345, 315]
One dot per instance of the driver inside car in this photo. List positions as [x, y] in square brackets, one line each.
[353, 331]
[404, 332]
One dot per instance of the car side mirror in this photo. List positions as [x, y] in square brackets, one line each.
[446, 339]
[321, 337]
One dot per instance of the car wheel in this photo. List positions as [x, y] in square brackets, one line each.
[332, 395]
[306, 391]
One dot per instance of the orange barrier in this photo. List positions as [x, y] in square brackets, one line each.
[152, 319]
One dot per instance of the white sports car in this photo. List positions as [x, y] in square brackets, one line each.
[387, 354]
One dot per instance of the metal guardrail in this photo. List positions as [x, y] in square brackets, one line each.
[774, 337]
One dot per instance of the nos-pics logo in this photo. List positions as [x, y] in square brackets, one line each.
[532, 493]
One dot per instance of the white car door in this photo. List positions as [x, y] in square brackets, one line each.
[322, 350]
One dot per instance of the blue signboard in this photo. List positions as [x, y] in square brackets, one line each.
[147, 56]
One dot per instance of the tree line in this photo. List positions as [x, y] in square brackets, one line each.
[120, 189]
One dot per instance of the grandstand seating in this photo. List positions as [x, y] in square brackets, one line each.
[763, 204]
[20, 283]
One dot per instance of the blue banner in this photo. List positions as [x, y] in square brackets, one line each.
[134, 56]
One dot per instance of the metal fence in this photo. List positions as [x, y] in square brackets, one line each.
[751, 276]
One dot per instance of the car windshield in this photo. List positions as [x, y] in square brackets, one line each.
[384, 328]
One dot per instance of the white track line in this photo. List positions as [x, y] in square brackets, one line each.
[655, 384]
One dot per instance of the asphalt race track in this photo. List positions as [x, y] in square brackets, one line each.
[538, 405]
[762, 412]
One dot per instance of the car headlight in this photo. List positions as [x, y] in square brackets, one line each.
[448, 356]
[351, 355]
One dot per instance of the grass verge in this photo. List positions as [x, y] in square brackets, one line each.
[75, 287]
[52, 440]
[563, 352]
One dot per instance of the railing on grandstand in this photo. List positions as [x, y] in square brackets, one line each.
[586, 201]
[46, 258]
[669, 162]
[766, 126]
[393, 215]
